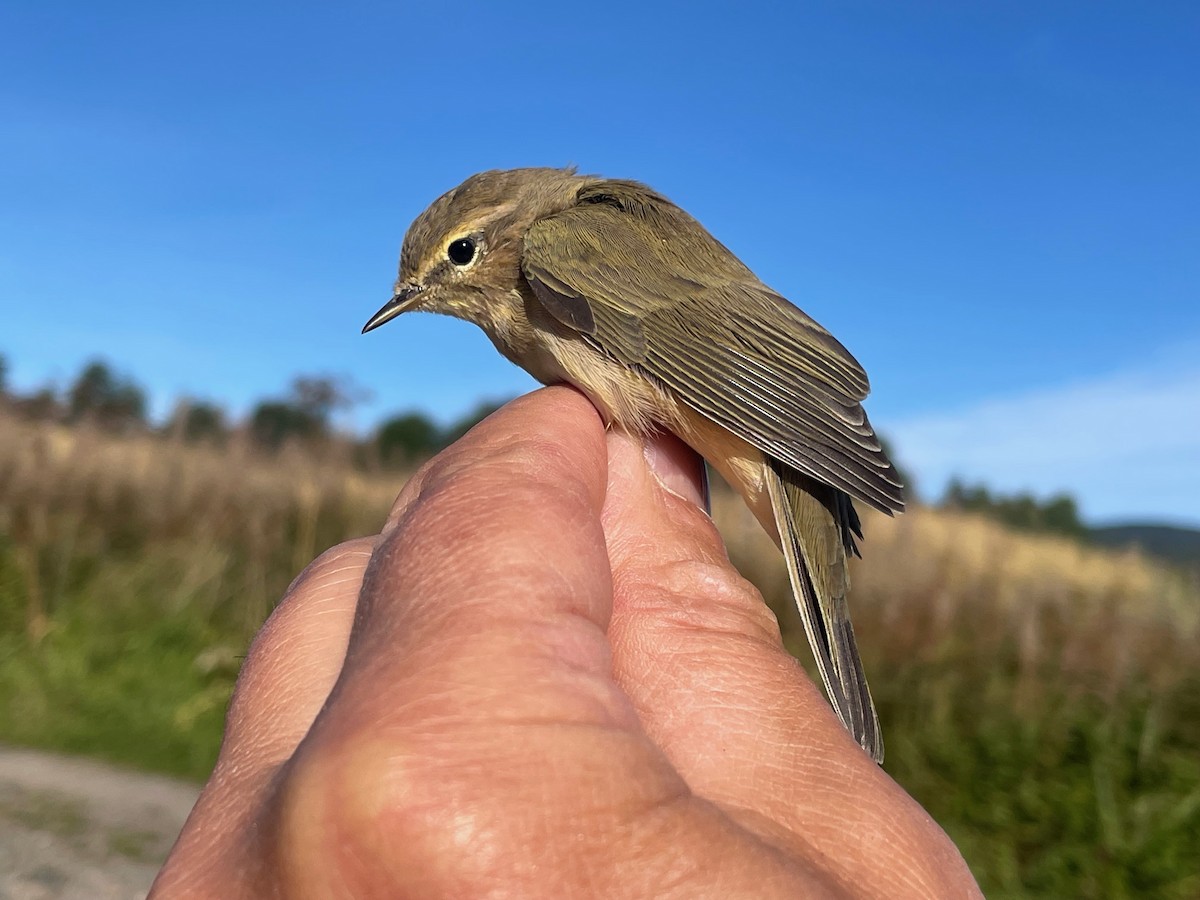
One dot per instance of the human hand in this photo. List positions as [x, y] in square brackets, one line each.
[544, 679]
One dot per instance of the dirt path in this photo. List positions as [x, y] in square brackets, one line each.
[77, 829]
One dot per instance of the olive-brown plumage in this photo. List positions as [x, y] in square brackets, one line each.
[609, 286]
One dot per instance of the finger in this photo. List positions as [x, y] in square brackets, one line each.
[484, 608]
[493, 567]
[677, 468]
[288, 673]
[699, 653]
[694, 645]
[296, 658]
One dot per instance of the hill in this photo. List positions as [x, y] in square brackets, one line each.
[1170, 543]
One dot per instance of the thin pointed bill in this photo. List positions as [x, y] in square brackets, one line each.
[403, 300]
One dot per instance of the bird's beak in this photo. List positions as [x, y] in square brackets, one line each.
[403, 300]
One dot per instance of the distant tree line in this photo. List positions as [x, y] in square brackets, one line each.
[303, 415]
[1058, 514]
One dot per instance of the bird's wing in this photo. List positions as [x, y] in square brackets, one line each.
[814, 521]
[647, 285]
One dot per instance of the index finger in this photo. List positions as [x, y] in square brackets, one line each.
[493, 560]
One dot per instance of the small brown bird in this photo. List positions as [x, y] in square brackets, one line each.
[607, 285]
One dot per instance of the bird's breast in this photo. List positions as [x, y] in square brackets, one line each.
[631, 400]
[529, 336]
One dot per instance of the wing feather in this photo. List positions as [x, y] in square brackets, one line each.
[817, 570]
[686, 312]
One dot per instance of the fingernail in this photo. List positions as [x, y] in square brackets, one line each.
[678, 468]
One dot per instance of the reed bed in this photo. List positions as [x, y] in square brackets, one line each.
[1040, 697]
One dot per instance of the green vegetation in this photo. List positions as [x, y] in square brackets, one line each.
[1056, 515]
[302, 417]
[1039, 696]
[101, 396]
[133, 573]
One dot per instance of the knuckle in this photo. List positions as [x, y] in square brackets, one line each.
[339, 803]
[321, 804]
[698, 595]
[429, 827]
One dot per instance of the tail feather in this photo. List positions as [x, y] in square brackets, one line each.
[817, 525]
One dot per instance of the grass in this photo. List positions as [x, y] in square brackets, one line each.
[1040, 698]
[132, 575]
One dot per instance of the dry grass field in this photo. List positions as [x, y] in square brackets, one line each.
[1040, 697]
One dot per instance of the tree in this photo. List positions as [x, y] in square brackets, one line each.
[91, 391]
[306, 412]
[1059, 514]
[101, 396]
[3, 375]
[320, 396]
[273, 423]
[975, 499]
[401, 440]
[41, 405]
[197, 420]
[956, 495]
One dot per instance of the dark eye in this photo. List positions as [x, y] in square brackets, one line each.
[461, 252]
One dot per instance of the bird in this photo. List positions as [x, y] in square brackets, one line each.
[607, 285]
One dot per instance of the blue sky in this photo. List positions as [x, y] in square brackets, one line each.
[994, 206]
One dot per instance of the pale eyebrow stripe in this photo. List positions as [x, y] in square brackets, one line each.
[462, 230]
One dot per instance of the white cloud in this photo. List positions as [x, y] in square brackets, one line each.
[1126, 445]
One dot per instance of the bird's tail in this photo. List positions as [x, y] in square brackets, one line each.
[817, 525]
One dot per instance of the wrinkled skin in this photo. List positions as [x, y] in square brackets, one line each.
[544, 679]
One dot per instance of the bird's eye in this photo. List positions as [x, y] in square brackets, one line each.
[461, 252]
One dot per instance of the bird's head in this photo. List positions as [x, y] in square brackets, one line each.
[463, 253]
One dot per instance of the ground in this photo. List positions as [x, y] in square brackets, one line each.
[80, 830]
